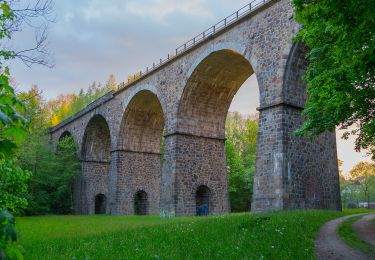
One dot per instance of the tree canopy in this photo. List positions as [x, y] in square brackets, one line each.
[341, 75]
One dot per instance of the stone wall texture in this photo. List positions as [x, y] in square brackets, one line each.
[187, 100]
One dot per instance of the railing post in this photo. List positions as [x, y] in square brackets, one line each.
[161, 61]
[237, 15]
[194, 41]
[225, 22]
[250, 6]
[168, 56]
[214, 28]
[204, 34]
[176, 51]
[153, 65]
[185, 47]
[146, 69]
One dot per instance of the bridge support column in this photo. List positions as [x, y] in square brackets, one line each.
[293, 172]
[189, 163]
[93, 181]
[112, 184]
[137, 171]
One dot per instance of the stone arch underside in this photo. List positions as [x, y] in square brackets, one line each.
[138, 154]
[95, 160]
[198, 145]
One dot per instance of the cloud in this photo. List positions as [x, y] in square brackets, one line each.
[160, 9]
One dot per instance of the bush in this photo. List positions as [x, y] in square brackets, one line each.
[8, 236]
[13, 186]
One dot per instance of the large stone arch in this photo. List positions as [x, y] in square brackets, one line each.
[95, 160]
[198, 145]
[139, 149]
[209, 92]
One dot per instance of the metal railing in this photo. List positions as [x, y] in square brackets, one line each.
[216, 28]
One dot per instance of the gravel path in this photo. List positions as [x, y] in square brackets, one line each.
[329, 246]
[365, 228]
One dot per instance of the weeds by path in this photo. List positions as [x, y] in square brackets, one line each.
[350, 236]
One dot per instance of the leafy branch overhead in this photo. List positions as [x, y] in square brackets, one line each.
[341, 73]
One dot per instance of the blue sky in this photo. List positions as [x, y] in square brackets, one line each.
[92, 39]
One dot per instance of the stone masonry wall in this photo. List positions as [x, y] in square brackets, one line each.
[95, 181]
[194, 91]
[201, 161]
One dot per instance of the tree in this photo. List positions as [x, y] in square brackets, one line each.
[54, 170]
[13, 186]
[239, 194]
[363, 175]
[240, 146]
[36, 111]
[13, 126]
[65, 106]
[111, 83]
[341, 74]
[27, 15]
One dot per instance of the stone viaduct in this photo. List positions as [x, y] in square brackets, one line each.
[185, 99]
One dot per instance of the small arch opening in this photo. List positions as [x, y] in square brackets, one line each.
[202, 201]
[100, 204]
[140, 203]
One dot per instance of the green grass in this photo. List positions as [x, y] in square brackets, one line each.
[350, 236]
[281, 235]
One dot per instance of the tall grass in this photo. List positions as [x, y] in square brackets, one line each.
[281, 235]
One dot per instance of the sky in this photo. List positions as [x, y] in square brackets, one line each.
[91, 39]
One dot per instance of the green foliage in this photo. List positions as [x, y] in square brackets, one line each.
[53, 168]
[341, 74]
[281, 235]
[9, 249]
[6, 16]
[13, 126]
[13, 186]
[50, 188]
[36, 111]
[240, 147]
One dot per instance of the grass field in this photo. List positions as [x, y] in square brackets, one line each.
[350, 236]
[282, 235]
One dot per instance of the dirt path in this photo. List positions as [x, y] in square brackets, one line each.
[329, 246]
[365, 228]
